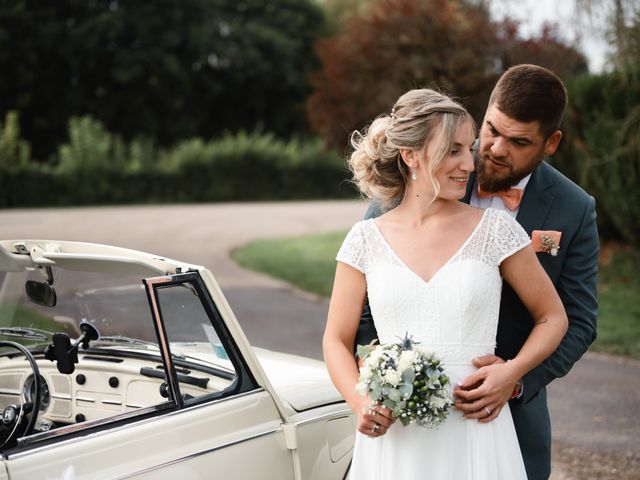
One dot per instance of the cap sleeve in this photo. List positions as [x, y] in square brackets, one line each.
[509, 237]
[353, 249]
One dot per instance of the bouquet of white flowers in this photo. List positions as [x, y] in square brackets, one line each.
[406, 379]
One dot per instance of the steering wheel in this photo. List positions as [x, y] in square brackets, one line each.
[12, 423]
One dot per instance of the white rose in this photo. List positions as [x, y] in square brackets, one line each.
[392, 378]
[406, 359]
[376, 354]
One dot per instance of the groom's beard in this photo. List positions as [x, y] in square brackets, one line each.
[490, 182]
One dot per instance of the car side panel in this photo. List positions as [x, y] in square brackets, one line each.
[238, 437]
[325, 439]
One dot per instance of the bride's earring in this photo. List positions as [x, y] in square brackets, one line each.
[414, 177]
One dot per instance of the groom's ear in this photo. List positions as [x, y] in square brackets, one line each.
[551, 144]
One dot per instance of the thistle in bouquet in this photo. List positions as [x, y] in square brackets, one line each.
[408, 380]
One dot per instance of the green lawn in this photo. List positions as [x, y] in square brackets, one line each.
[309, 263]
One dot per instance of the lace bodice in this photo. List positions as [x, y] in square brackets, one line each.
[455, 313]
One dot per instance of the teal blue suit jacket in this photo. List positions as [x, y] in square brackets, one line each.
[550, 202]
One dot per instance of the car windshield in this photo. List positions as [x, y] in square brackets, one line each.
[115, 304]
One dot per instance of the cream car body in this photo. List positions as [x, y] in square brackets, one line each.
[197, 401]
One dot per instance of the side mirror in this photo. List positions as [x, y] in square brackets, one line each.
[41, 293]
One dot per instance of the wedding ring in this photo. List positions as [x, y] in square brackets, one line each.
[375, 428]
[488, 411]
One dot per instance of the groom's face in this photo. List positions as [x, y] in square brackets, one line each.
[510, 150]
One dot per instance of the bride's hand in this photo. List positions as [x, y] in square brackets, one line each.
[483, 394]
[373, 420]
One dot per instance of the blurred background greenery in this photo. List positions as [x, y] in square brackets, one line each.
[116, 101]
[122, 101]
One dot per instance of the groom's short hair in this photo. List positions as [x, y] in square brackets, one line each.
[529, 93]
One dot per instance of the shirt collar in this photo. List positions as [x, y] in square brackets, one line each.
[522, 184]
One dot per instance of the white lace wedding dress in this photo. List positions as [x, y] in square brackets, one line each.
[454, 314]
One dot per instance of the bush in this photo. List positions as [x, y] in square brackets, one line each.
[97, 167]
[14, 152]
[602, 148]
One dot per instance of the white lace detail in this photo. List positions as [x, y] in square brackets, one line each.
[455, 313]
[353, 249]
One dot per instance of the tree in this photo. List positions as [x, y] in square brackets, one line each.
[163, 69]
[621, 22]
[395, 45]
[546, 49]
[386, 47]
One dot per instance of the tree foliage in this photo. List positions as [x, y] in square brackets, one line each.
[386, 47]
[602, 148]
[14, 151]
[621, 22]
[162, 69]
[396, 45]
[546, 49]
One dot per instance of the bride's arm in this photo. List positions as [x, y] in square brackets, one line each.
[534, 287]
[347, 299]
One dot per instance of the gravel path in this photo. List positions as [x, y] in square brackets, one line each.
[595, 423]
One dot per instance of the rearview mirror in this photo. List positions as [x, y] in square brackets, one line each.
[41, 293]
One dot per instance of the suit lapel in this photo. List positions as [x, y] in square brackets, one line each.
[536, 201]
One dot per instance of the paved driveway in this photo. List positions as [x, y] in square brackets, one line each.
[594, 409]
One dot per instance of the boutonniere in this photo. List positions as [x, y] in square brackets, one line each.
[546, 241]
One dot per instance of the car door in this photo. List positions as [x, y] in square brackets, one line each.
[211, 419]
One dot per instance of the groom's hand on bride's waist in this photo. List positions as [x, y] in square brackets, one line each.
[484, 394]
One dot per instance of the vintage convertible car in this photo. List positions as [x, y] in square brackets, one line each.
[119, 364]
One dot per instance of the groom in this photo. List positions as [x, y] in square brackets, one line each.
[519, 129]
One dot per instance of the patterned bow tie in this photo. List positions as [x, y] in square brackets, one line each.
[510, 197]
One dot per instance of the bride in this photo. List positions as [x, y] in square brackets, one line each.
[432, 266]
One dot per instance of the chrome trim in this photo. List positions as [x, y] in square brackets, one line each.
[111, 402]
[62, 396]
[195, 455]
[107, 430]
[325, 416]
[11, 392]
[85, 399]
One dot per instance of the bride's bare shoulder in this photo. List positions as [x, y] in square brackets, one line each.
[388, 217]
[471, 214]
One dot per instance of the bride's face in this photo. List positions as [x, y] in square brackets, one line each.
[453, 172]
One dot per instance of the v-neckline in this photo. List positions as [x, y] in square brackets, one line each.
[455, 254]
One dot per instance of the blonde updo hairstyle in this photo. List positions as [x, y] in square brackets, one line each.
[418, 117]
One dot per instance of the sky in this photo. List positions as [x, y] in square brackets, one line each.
[533, 13]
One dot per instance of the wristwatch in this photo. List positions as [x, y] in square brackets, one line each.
[517, 390]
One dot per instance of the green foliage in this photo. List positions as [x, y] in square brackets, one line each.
[602, 148]
[90, 148]
[97, 167]
[14, 152]
[164, 70]
[307, 262]
[619, 309]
